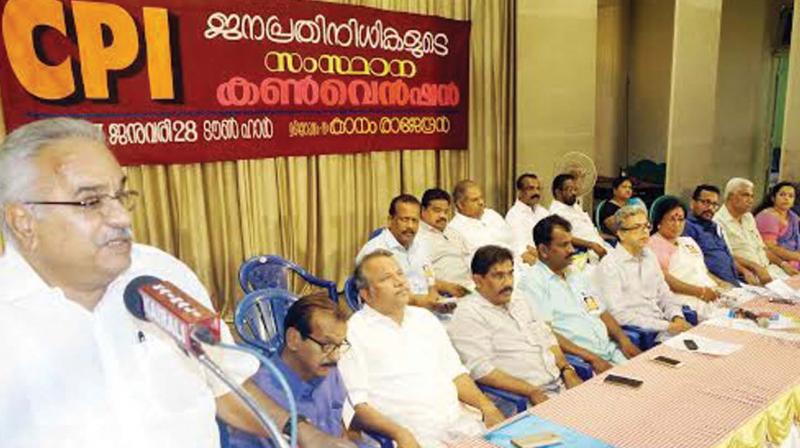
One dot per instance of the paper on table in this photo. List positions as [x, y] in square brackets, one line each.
[784, 289]
[704, 345]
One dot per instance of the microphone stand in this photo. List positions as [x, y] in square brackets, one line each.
[267, 423]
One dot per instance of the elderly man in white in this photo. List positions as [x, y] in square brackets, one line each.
[78, 369]
[631, 282]
[526, 212]
[565, 205]
[739, 229]
[402, 374]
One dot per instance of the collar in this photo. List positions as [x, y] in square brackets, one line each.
[483, 302]
[624, 255]
[392, 242]
[26, 280]
[525, 208]
[460, 216]
[303, 389]
[548, 273]
[373, 315]
[429, 228]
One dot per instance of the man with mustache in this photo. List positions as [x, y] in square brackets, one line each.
[564, 298]
[478, 224]
[565, 204]
[399, 238]
[701, 227]
[741, 233]
[631, 281]
[448, 250]
[314, 340]
[498, 338]
[78, 368]
[526, 212]
[403, 377]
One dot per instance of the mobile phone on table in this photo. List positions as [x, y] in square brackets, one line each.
[623, 381]
[671, 362]
[538, 440]
[690, 344]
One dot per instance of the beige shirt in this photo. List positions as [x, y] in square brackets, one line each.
[491, 228]
[448, 253]
[508, 338]
[522, 219]
[742, 236]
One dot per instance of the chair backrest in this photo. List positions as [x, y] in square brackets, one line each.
[270, 271]
[259, 318]
[351, 294]
[653, 208]
[597, 222]
[376, 232]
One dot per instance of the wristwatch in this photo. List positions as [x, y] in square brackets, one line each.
[287, 427]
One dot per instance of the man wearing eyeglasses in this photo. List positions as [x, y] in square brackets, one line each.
[631, 282]
[77, 368]
[314, 339]
[708, 235]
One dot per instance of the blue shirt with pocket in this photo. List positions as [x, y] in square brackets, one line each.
[716, 253]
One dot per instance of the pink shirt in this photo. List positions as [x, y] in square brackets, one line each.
[663, 249]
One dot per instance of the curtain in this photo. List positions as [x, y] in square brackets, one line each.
[318, 211]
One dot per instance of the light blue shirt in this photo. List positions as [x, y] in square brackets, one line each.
[569, 306]
[414, 261]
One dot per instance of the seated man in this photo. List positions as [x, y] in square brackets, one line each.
[498, 339]
[404, 378]
[447, 248]
[526, 212]
[740, 230]
[565, 204]
[681, 260]
[630, 280]
[314, 339]
[563, 298]
[399, 238]
[100, 377]
[708, 235]
[478, 224]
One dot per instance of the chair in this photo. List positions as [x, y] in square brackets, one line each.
[376, 232]
[644, 339]
[351, 294]
[690, 315]
[270, 271]
[259, 318]
[582, 368]
[520, 403]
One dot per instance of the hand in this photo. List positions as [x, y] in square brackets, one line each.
[763, 275]
[708, 294]
[530, 255]
[599, 250]
[406, 440]
[571, 379]
[789, 269]
[443, 306]
[492, 415]
[310, 437]
[678, 325]
[537, 396]
[629, 349]
[453, 289]
[600, 365]
[751, 278]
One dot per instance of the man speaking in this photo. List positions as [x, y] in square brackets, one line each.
[78, 370]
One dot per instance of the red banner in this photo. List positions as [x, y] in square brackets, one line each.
[177, 81]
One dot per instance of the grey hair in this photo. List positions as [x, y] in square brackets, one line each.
[461, 189]
[358, 275]
[626, 212]
[20, 148]
[736, 184]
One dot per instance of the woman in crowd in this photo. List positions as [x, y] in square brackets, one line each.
[622, 190]
[779, 225]
[681, 259]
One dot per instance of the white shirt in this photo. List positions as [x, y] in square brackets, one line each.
[406, 373]
[745, 240]
[634, 289]
[504, 337]
[414, 261]
[522, 219]
[77, 378]
[582, 225]
[491, 228]
[448, 252]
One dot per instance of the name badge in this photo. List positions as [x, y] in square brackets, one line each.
[591, 303]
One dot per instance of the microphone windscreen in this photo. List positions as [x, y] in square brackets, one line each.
[133, 298]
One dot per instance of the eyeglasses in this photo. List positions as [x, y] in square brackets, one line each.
[708, 203]
[638, 227]
[98, 203]
[329, 348]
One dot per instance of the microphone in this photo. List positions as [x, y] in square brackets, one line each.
[158, 301]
